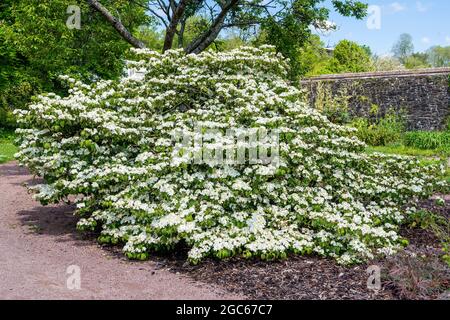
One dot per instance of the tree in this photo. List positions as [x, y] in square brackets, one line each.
[16, 82]
[36, 46]
[229, 42]
[368, 50]
[348, 56]
[417, 61]
[152, 38]
[404, 47]
[387, 63]
[39, 32]
[439, 56]
[285, 22]
[313, 57]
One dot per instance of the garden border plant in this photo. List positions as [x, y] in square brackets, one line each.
[110, 145]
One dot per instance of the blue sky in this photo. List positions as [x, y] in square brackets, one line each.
[428, 21]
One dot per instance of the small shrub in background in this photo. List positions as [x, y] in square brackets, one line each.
[437, 223]
[6, 135]
[380, 132]
[7, 119]
[334, 106]
[374, 130]
[414, 277]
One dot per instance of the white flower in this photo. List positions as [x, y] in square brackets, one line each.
[111, 144]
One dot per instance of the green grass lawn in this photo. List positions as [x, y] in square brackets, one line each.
[7, 147]
[7, 151]
[409, 151]
[426, 156]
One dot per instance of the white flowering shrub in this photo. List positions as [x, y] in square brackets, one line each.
[111, 146]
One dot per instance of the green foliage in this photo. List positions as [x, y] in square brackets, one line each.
[312, 57]
[291, 30]
[428, 140]
[417, 61]
[348, 56]
[374, 130]
[387, 64]
[437, 223]
[404, 47]
[436, 56]
[400, 149]
[7, 151]
[333, 106]
[36, 46]
[41, 35]
[153, 39]
[439, 56]
[230, 42]
[7, 119]
[16, 83]
[379, 132]
[288, 36]
[193, 27]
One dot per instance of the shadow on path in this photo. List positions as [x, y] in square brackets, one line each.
[13, 169]
[52, 220]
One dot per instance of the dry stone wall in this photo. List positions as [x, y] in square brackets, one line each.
[422, 96]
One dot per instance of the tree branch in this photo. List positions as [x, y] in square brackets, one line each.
[181, 32]
[152, 11]
[175, 19]
[205, 39]
[120, 28]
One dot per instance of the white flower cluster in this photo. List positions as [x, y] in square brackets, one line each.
[110, 145]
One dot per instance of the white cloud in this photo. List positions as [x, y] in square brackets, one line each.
[421, 7]
[447, 39]
[397, 7]
[426, 40]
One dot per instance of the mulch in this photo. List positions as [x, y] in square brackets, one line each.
[292, 279]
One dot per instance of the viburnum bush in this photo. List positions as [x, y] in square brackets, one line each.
[110, 145]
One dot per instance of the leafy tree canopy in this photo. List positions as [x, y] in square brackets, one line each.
[286, 24]
[404, 47]
[36, 46]
[439, 56]
[347, 56]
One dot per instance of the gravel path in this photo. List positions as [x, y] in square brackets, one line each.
[38, 244]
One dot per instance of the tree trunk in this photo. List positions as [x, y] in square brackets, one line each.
[115, 22]
[172, 28]
[181, 33]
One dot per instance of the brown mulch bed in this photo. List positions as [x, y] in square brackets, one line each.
[293, 279]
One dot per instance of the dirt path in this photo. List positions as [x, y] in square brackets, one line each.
[38, 244]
